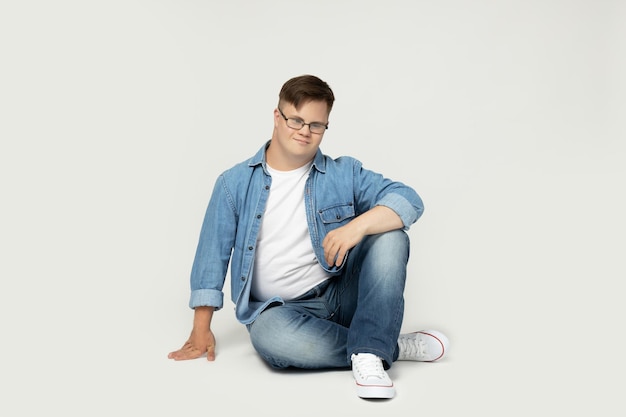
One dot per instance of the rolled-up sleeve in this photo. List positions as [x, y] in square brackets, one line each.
[206, 297]
[408, 210]
[214, 250]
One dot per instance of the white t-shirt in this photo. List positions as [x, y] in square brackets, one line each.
[285, 264]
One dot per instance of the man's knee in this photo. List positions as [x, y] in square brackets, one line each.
[392, 244]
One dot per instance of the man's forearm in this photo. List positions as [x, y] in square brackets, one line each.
[202, 317]
[379, 219]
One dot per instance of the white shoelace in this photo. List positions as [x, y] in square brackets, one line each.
[369, 366]
[411, 348]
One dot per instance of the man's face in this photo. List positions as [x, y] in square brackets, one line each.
[299, 145]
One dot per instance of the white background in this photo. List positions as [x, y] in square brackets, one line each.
[506, 116]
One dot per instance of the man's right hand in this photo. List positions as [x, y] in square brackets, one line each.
[199, 343]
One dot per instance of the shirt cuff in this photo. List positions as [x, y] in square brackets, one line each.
[408, 212]
[206, 297]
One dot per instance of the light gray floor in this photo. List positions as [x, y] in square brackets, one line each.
[507, 117]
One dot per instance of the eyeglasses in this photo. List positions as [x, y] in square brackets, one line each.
[297, 124]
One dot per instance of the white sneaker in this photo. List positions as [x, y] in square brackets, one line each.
[371, 379]
[423, 346]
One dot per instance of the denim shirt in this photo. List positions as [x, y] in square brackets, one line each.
[336, 191]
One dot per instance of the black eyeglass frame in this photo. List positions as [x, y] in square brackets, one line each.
[301, 122]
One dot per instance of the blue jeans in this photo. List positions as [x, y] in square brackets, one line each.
[359, 311]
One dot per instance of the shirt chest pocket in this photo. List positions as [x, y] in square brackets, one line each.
[337, 214]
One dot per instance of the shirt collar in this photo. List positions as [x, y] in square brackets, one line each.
[319, 162]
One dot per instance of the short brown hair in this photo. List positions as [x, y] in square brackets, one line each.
[304, 88]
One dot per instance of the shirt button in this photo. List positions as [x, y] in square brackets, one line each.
[250, 248]
[258, 216]
[243, 278]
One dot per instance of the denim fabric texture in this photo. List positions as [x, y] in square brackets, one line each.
[336, 191]
[358, 311]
